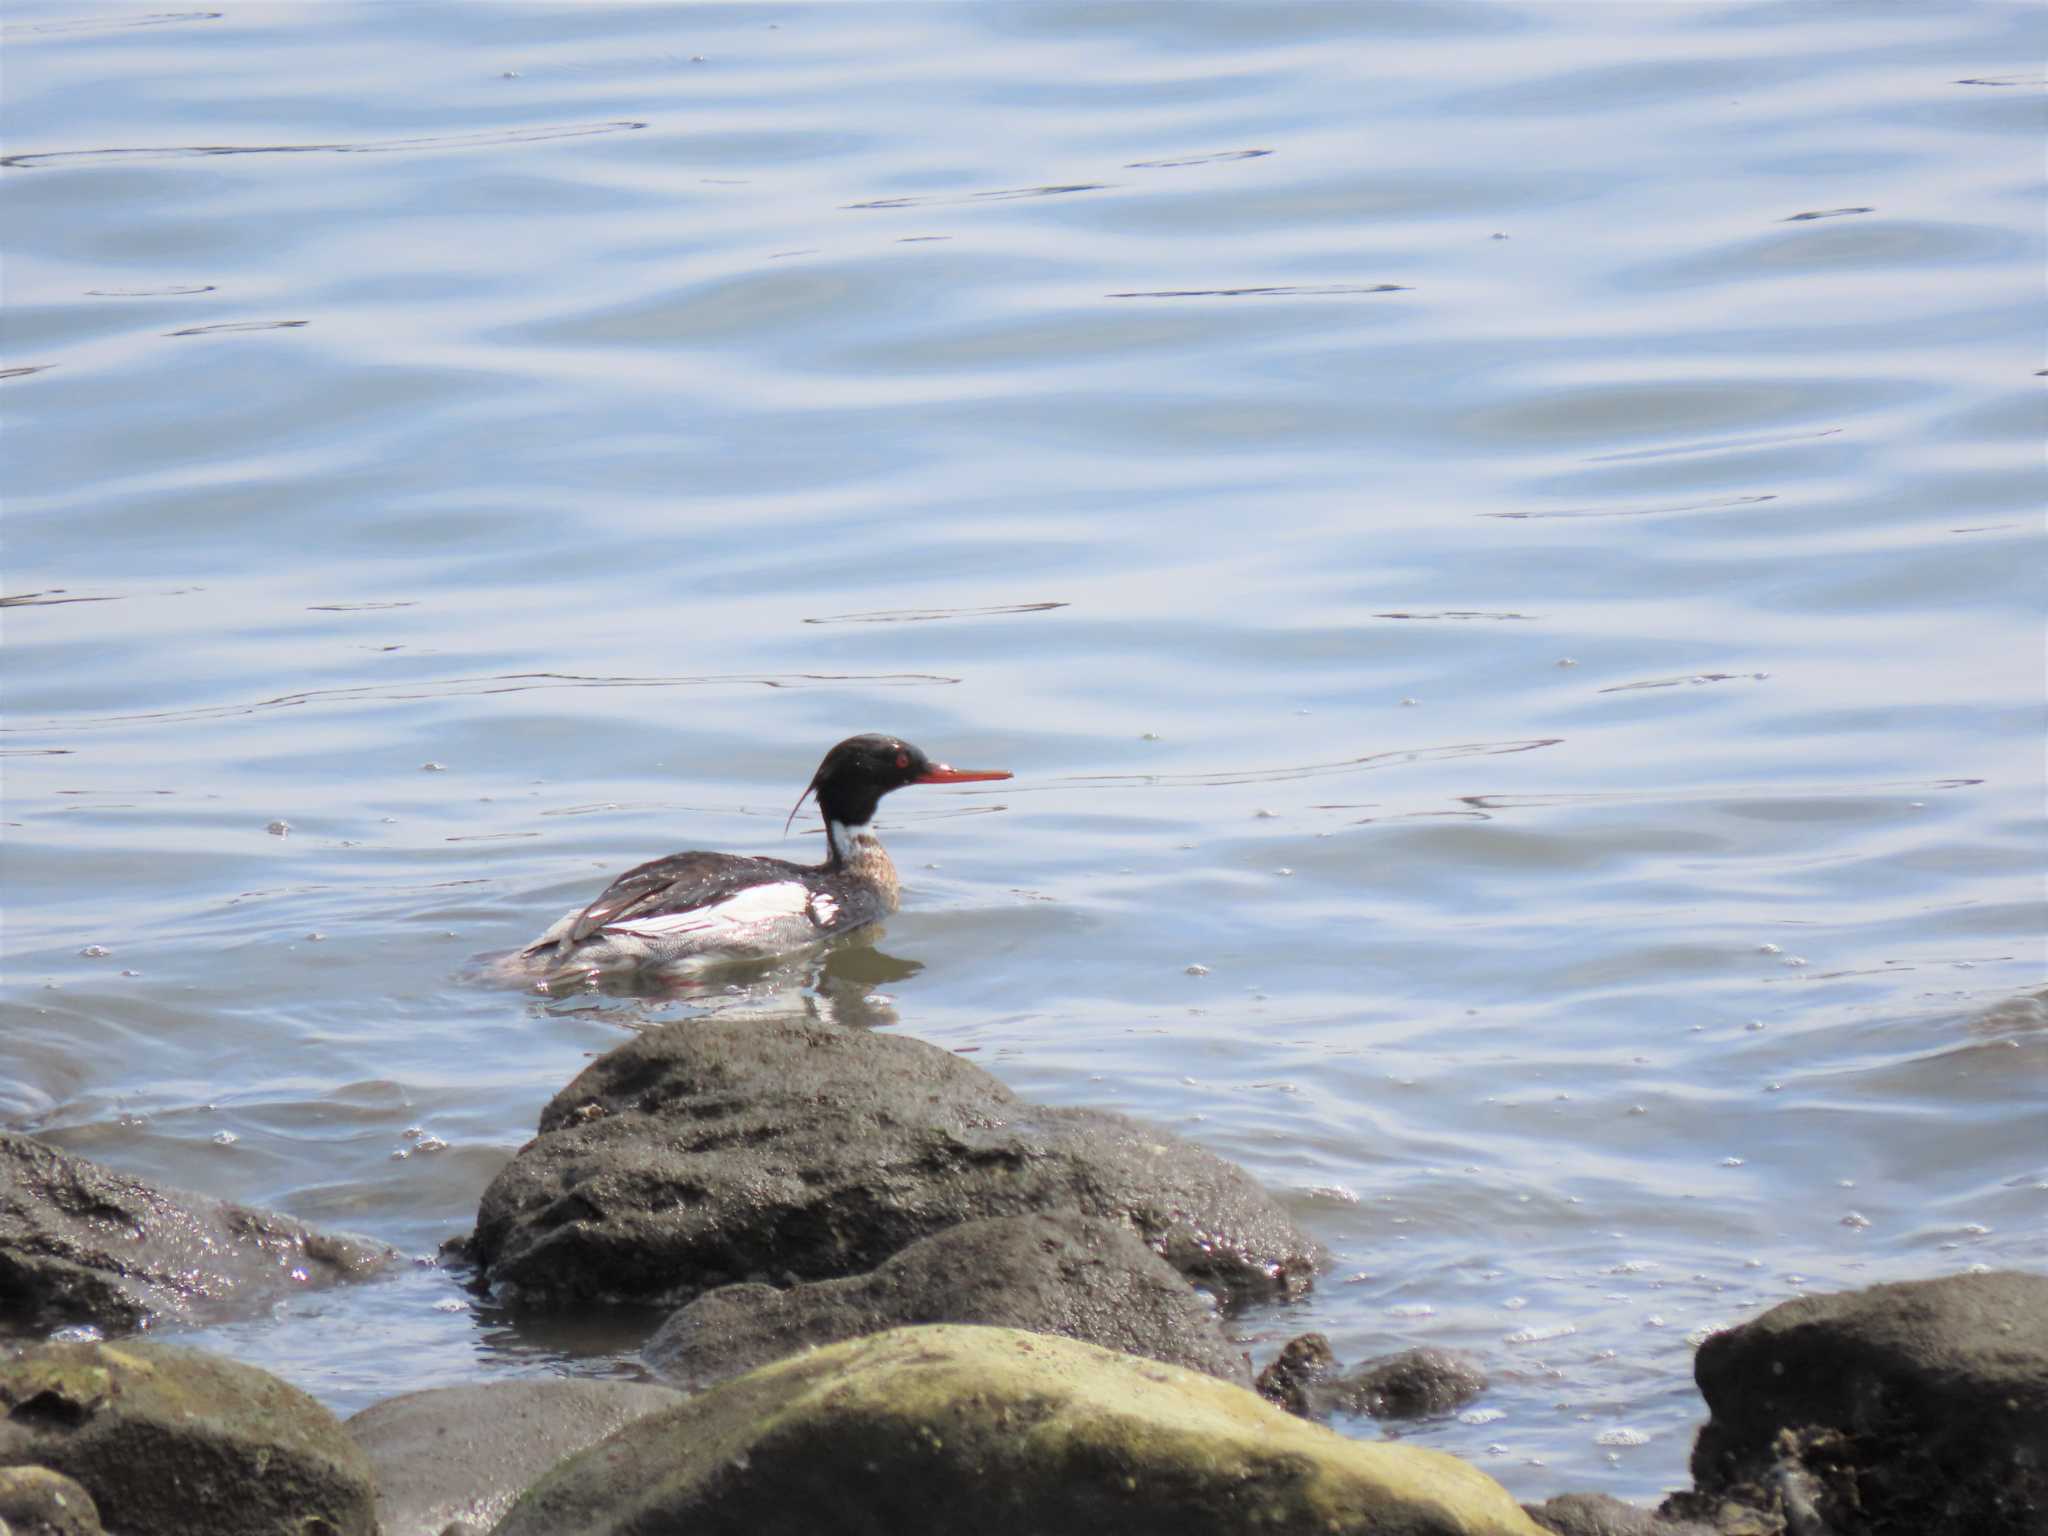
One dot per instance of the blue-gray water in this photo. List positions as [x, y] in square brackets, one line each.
[1510, 534]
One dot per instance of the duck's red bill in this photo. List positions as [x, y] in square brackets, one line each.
[939, 773]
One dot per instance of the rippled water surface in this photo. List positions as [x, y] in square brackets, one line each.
[1502, 543]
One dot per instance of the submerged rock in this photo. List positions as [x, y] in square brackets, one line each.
[1600, 1514]
[464, 1454]
[1305, 1378]
[1919, 1407]
[718, 1151]
[80, 1243]
[935, 1431]
[169, 1439]
[1062, 1273]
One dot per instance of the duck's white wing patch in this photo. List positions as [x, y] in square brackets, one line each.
[756, 904]
[823, 910]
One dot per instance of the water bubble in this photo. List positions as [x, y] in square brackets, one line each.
[1410, 703]
[1731, 1162]
[1264, 815]
[432, 768]
[1283, 870]
[1621, 1437]
[1768, 949]
[1198, 969]
[76, 1333]
[94, 952]
[1795, 960]
[451, 1305]
[1482, 1416]
[1754, 1025]
[225, 1138]
[1856, 1221]
[1566, 661]
[279, 828]
[1515, 1303]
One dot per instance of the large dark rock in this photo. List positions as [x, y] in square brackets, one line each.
[80, 1243]
[1077, 1276]
[939, 1431]
[1306, 1378]
[1918, 1409]
[168, 1439]
[452, 1454]
[717, 1151]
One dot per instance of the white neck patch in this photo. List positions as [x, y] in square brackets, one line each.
[849, 842]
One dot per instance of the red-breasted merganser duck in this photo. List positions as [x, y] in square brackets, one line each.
[695, 908]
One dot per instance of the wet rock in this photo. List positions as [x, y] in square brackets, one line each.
[1303, 1364]
[1600, 1514]
[80, 1243]
[34, 1501]
[925, 1431]
[169, 1439]
[1920, 1407]
[1077, 1276]
[461, 1455]
[1413, 1384]
[718, 1151]
[1305, 1378]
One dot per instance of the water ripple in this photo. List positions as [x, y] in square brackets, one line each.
[485, 140]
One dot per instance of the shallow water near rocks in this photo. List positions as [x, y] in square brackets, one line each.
[1501, 543]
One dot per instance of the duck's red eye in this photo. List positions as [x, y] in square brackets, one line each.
[902, 759]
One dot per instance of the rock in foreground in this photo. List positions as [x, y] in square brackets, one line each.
[1076, 1276]
[465, 1453]
[1915, 1408]
[718, 1151]
[935, 1431]
[171, 1440]
[80, 1243]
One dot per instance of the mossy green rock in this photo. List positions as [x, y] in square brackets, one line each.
[169, 1439]
[999, 1433]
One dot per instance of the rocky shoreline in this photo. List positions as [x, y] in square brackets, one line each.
[905, 1301]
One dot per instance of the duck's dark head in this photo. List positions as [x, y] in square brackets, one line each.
[854, 776]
